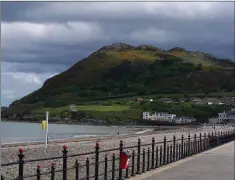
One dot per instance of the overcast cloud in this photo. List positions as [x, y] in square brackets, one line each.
[41, 39]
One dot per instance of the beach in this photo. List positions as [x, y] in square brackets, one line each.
[35, 151]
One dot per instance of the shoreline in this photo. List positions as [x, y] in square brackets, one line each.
[76, 122]
[146, 131]
[69, 122]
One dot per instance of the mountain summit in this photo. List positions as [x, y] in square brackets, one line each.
[116, 47]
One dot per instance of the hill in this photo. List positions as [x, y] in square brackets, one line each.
[121, 69]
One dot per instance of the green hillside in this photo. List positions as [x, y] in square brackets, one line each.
[121, 69]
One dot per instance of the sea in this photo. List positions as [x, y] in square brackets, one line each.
[17, 132]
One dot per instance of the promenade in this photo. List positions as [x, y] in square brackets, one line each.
[215, 164]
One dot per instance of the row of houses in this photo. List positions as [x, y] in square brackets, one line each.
[166, 117]
[224, 117]
[199, 101]
[217, 101]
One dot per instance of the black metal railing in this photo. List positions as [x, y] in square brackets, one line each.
[104, 164]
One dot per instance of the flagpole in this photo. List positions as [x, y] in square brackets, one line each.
[47, 116]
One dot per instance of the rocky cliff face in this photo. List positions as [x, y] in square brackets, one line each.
[148, 48]
[176, 49]
[116, 47]
[202, 55]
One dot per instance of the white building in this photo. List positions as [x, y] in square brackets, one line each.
[178, 120]
[146, 115]
[159, 116]
[184, 120]
[209, 103]
[222, 117]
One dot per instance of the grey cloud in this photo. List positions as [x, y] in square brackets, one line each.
[34, 67]
[49, 37]
[121, 11]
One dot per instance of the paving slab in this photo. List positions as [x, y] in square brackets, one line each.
[215, 164]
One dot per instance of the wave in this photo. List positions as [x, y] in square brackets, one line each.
[80, 136]
[144, 131]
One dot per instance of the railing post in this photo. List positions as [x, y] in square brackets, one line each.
[77, 169]
[180, 149]
[217, 138]
[121, 150]
[21, 164]
[167, 154]
[127, 172]
[171, 153]
[195, 143]
[174, 139]
[133, 163]
[204, 142]
[176, 152]
[200, 137]
[143, 170]
[138, 156]
[198, 148]
[192, 147]
[113, 166]
[97, 148]
[160, 156]
[105, 166]
[65, 147]
[53, 171]
[189, 150]
[38, 172]
[221, 137]
[182, 146]
[87, 168]
[153, 149]
[164, 150]
[208, 142]
[156, 165]
[148, 160]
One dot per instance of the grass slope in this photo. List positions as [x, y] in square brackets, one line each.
[121, 69]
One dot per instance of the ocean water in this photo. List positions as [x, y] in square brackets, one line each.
[13, 132]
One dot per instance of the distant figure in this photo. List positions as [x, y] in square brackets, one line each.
[118, 133]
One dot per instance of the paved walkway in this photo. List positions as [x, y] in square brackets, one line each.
[215, 164]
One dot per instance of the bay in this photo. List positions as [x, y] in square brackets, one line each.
[14, 132]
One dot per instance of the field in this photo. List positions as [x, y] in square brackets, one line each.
[102, 108]
[99, 108]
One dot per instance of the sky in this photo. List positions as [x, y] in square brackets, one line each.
[42, 39]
